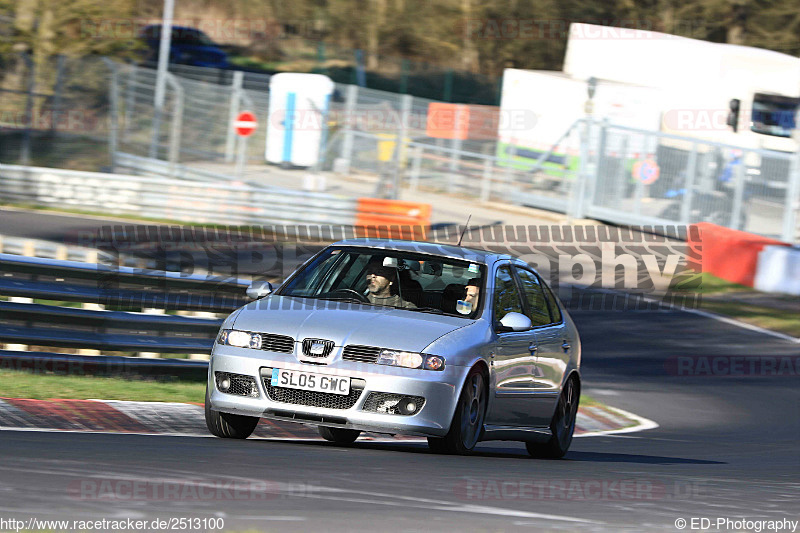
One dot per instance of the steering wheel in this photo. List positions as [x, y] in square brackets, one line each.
[360, 297]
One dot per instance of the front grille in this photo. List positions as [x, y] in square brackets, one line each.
[361, 354]
[277, 343]
[241, 385]
[313, 398]
[308, 344]
[386, 402]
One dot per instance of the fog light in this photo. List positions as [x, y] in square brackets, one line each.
[224, 384]
[407, 406]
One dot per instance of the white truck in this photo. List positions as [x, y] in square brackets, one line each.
[653, 81]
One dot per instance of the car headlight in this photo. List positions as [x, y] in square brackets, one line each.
[240, 339]
[410, 360]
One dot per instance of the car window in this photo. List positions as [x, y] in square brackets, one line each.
[537, 309]
[555, 311]
[506, 295]
[417, 281]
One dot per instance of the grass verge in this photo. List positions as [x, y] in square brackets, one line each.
[764, 317]
[773, 312]
[21, 384]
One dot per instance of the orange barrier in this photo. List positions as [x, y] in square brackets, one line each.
[392, 219]
[730, 254]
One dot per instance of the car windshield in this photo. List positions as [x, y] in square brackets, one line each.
[417, 282]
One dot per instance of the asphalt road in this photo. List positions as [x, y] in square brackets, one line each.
[727, 446]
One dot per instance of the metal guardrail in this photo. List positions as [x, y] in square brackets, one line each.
[30, 323]
[155, 167]
[172, 199]
[101, 365]
[35, 277]
[51, 250]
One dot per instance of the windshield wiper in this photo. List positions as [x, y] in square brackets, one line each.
[435, 310]
[344, 299]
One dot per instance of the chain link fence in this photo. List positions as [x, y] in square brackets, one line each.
[651, 177]
[73, 113]
[55, 113]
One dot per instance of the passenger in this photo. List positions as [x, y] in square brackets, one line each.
[473, 291]
[380, 280]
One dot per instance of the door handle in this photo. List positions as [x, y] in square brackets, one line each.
[566, 346]
[532, 348]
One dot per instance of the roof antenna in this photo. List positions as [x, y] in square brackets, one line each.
[464, 230]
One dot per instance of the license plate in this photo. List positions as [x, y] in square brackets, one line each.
[295, 379]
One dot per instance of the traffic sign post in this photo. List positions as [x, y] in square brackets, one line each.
[245, 125]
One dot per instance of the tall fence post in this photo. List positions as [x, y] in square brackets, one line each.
[58, 90]
[486, 179]
[406, 102]
[508, 175]
[177, 124]
[416, 167]
[236, 98]
[739, 176]
[455, 156]
[789, 232]
[242, 153]
[688, 196]
[25, 150]
[130, 98]
[113, 97]
[346, 154]
[576, 210]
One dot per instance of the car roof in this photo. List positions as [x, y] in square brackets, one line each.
[439, 249]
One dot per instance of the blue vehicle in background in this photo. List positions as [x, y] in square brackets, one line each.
[188, 46]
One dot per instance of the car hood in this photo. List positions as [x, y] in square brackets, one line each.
[346, 323]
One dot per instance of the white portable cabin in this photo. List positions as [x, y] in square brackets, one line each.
[298, 111]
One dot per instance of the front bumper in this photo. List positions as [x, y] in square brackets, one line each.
[440, 390]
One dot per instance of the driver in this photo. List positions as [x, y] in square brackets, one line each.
[380, 280]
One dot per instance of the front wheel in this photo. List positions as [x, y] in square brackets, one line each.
[339, 435]
[227, 425]
[467, 424]
[562, 425]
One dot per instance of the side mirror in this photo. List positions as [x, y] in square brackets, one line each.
[515, 322]
[259, 289]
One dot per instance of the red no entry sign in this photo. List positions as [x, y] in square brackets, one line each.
[245, 123]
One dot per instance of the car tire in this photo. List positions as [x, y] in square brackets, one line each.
[339, 435]
[562, 426]
[227, 425]
[467, 425]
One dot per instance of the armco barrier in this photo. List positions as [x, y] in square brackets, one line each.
[172, 199]
[730, 254]
[29, 323]
[101, 365]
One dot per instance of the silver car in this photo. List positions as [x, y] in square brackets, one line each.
[400, 337]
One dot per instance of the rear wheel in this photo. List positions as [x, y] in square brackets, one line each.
[467, 425]
[339, 435]
[228, 425]
[562, 425]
